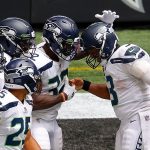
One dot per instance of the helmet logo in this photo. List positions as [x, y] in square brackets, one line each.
[25, 71]
[98, 37]
[8, 31]
[53, 28]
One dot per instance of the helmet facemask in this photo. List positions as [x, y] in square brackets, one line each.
[100, 36]
[93, 59]
[67, 49]
[17, 45]
[60, 33]
[25, 45]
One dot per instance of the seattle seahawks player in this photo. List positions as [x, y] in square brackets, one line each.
[21, 79]
[16, 38]
[126, 70]
[3, 61]
[59, 46]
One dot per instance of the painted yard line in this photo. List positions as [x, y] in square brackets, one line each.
[86, 105]
[84, 69]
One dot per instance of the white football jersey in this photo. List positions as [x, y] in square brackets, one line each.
[122, 85]
[15, 118]
[8, 58]
[53, 82]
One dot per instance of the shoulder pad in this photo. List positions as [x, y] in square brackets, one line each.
[133, 51]
[40, 59]
[7, 101]
[128, 53]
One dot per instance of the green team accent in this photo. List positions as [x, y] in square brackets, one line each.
[24, 126]
[69, 41]
[114, 101]
[57, 79]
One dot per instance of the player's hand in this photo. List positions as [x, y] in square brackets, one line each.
[69, 91]
[108, 16]
[77, 82]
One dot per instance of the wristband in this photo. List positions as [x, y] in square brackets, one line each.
[86, 85]
[63, 96]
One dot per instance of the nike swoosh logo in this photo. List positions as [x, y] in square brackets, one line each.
[132, 121]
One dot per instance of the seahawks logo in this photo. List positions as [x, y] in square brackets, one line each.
[53, 28]
[25, 71]
[4, 30]
[135, 4]
[98, 37]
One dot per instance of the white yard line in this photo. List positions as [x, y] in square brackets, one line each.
[86, 105]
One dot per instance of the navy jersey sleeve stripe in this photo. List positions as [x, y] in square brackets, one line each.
[30, 102]
[8, 106]
[47, 66]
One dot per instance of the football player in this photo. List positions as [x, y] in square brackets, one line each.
[43, 62]
[126, 69]
[21, 79]
[16, 38]
[60, 45]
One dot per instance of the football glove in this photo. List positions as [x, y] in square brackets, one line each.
[107, 17]
[69, 90]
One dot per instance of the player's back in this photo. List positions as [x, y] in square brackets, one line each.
[14, 120]
[128, 93]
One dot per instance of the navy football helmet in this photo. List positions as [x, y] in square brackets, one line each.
[16, 36]
[60, 32]
[21, 73]
[101, 36]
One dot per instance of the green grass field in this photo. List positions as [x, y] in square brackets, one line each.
[140, 37]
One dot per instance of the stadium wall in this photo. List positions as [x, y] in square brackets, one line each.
[88, 123]
[82, 11]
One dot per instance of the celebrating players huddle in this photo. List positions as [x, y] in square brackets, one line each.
[34, 81]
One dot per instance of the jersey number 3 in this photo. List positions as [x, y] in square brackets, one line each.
[112, 92]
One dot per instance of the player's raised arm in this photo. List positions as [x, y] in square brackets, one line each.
[108, 16]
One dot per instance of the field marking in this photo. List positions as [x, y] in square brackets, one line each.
[84, 69]
[86, 105]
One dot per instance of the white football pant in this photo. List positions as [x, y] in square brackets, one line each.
[47, 133]
[134, 134]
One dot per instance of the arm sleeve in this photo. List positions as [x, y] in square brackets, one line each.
[141, 70]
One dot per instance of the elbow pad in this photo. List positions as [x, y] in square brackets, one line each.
[141, 70]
